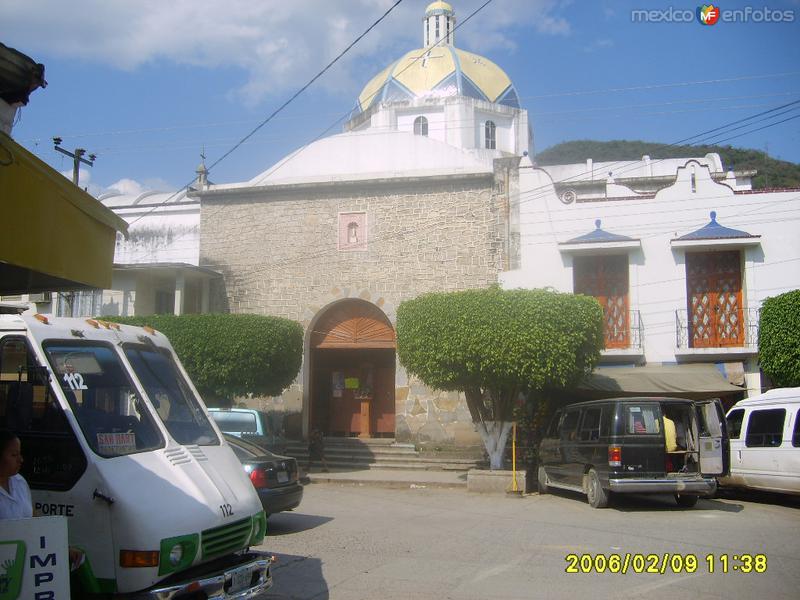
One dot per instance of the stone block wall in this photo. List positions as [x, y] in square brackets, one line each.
[278, 251]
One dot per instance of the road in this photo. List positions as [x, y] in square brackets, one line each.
[360, 542]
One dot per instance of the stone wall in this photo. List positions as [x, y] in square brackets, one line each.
[278, 249]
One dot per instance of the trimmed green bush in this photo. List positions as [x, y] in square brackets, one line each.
[493, 344]
[779, 339]
[229, 355]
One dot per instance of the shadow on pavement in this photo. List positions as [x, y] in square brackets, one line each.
[651, 502]
[297, 577]
[292, 522]
[759, 497]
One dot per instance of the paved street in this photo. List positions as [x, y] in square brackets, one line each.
[360, 542]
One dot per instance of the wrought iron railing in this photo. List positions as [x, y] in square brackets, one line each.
[621, 338]
[737, 330]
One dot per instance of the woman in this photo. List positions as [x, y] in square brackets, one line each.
[15, 495]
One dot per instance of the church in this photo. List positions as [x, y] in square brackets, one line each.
[433, 187]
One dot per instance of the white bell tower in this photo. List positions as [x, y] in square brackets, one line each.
[438, 25]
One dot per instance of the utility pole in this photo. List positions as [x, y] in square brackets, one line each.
[77, 158]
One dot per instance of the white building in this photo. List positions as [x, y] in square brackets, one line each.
[679, 253]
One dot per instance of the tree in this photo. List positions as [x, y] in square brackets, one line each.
[493, 344]
[230, 355]
[779, 338]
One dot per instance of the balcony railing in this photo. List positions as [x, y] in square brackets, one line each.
[624, 336]
[725, 329]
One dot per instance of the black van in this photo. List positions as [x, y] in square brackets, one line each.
[640, 445]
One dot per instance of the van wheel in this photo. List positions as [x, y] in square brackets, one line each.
[541, 480]
[597, 496]
[686, 501]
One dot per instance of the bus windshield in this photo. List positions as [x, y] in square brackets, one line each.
[109, 410]
[172, 397]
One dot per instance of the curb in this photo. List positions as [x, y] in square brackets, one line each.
[390, 484]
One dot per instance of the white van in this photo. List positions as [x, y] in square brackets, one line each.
[764, 436]
[116, 438]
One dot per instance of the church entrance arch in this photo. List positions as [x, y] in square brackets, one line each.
[352, 359]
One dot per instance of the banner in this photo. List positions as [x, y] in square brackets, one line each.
[34, 559]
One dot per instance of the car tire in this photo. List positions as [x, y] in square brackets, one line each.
[595, 494]
[686, 500]
[541, 480]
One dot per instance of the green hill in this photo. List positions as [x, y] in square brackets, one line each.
[772, 173]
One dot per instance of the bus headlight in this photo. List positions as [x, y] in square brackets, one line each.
[178, 553]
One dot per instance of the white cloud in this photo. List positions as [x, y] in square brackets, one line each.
[127, 187]
[279, 45]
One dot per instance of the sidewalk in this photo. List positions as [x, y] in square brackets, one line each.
[391, 478]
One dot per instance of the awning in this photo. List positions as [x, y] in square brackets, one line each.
[695, 382]
[53, 235]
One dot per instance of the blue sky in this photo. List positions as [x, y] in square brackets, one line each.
[147, 85]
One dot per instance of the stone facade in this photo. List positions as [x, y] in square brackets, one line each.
[278, 250]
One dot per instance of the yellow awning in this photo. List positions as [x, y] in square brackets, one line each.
[53, 235]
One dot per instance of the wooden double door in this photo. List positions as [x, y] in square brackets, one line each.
[714, 296]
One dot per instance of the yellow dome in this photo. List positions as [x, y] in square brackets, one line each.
[440, 71]
[438, 6]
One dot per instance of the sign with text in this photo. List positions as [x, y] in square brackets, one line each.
[34, 559]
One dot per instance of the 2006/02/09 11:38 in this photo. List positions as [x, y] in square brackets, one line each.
[665, 563]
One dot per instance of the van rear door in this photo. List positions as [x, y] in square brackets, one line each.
[714, 449]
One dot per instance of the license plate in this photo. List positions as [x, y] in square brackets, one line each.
[283, 476]
[240, 579]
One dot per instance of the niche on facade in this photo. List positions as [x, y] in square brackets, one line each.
[353, 231]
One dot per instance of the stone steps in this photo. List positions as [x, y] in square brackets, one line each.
[384, 453]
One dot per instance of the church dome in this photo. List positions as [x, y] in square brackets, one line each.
[439, 69]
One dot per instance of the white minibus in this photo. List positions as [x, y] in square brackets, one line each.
[764, 436]
[116, 438]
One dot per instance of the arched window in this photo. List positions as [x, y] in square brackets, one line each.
[421, 126]
[490, 133]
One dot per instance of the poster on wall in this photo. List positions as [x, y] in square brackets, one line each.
[34, 559]
[337, 384]
[351, 383]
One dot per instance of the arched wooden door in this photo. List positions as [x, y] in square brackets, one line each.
[353, 370]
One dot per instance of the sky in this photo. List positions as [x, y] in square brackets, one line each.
[149, 85]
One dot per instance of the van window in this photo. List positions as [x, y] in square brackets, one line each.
[171, 395]
[642, 419]
[53, 458]
[765, 428]
[796, 434]
[235, 421]
[112, 415]
[552, 430]
[590, 425]
[570, 424]
[734, 421]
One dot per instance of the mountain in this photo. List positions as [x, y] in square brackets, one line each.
[772, 173]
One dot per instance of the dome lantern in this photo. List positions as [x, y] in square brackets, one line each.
[438, 25]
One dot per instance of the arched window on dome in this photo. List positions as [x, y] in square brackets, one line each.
[448, 30]
[490, 133]
[421, 126]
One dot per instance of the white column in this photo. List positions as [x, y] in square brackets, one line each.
[180, 285]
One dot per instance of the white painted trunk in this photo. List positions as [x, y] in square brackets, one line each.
[494, 435]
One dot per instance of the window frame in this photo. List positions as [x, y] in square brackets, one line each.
[421, 126]
[729, 423]
[490, 135]
[754, 415]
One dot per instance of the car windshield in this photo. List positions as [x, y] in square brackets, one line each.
[110, 412]
[174, 401]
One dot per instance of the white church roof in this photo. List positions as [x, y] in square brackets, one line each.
[367, 155]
